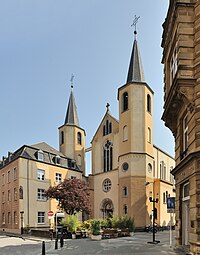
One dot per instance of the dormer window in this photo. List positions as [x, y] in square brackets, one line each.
[57, 160]
[71, 163]
[40, 155]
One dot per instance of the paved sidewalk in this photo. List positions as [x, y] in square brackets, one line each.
[136, 245]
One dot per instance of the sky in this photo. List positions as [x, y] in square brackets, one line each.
[42, 43]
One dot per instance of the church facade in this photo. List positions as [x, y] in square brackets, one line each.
[127, 168]
[124, 158]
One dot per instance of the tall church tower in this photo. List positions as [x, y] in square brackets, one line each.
[72, 136]
[135, 138]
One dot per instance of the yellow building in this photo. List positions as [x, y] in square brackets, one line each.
[124, 157]
[25, 175]
[124, 161]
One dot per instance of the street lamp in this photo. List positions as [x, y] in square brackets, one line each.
[153, 200]
[22, 221]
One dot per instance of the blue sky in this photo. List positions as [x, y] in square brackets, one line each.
[43, 42]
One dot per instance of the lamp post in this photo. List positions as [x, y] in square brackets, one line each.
[153, 200]
[22, 221]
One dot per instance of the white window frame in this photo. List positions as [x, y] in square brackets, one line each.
[41, 218]
[41, 194]
[40, 174]
[58, 177]
[40, 155]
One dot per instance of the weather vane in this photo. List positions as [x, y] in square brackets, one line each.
[72, 78]
[135, 21]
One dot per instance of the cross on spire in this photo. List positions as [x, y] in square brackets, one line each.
[107, 106]
[135, 21]
[72, 78]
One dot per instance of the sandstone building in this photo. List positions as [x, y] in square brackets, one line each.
[181, 59]
[124, 159]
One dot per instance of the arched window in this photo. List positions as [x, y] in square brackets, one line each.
[79, 138]
[110, 128]
[79, 160]
[107, 128]
[149, 135]
[125, 191]
[125, 209]
[62, 137]
[149, 168]
[125, 101]
[148, 103]
[104, 130]
[107, 208]
[107, 156]
[125, 133]
[21, 192]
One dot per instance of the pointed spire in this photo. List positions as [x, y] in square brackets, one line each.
[135, 72]
[72, 115]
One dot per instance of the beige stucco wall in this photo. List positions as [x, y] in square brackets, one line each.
[100, 195]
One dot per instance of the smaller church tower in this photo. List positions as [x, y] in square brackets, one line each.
[72, 136]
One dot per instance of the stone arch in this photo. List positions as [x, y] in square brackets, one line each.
[107, 208]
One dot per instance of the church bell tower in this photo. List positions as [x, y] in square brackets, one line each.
[72, 136]
[135, 137]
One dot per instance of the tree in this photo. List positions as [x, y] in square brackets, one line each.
[73, 195]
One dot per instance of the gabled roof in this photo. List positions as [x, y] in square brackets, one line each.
[72, 115]
[107, 114]
[135, 72]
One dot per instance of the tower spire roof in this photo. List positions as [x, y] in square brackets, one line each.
[135, 72]
[72, 115]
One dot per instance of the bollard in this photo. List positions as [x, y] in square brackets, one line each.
[61, 241]
[43, 247]
[56, 244]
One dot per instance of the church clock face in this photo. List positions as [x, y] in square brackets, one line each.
[125, 166]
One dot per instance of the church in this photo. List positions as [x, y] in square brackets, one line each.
[128, 170]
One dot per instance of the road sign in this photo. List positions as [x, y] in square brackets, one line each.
[170, 204]
[50, 213]
[60, 214]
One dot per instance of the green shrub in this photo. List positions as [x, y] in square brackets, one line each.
[95, 227]
[71, 222]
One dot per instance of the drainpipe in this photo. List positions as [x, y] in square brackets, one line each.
[28, 202]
